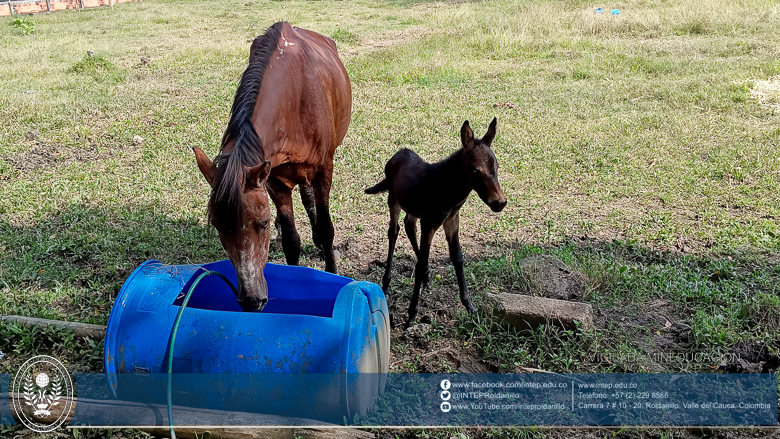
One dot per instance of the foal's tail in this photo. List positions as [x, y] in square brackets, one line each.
[382, 186]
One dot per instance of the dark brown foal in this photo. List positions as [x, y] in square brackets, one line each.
[434, 194]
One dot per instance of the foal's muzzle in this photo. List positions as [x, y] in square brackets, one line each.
[497, 205]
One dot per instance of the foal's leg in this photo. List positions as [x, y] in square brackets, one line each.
[392, 237]
[324, 225]
[421, 270]
[451, 226]
[410, 226]
[307, 198]
[282, 198]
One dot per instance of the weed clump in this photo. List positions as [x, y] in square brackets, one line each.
[344, 36]
[98, 67]
[25, 26]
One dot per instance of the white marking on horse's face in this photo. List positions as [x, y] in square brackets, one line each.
[248, 269]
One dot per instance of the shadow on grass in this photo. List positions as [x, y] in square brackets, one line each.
[654, 311]
[71, 264]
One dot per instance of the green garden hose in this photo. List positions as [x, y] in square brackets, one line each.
[172, 338]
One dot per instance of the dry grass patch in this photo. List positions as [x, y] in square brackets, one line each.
[767, 92]
[696, 17]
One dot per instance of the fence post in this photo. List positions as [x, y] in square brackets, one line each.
[11, 8]
[48, 5]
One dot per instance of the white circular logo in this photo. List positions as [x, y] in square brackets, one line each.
[445, 395]
[445, 384]
[42, 394]
[445, 407]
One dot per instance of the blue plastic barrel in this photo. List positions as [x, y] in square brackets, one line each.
[314, 323]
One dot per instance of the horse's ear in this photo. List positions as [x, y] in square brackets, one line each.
[205, 165]
[257, 175]
[491, 133]
[466, 136]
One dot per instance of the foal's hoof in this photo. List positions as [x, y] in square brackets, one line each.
[470, 308]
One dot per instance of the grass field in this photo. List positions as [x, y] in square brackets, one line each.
[630, 146]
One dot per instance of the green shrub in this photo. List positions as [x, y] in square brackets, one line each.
[24, 25]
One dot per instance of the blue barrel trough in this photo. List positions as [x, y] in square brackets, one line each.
[315, 324]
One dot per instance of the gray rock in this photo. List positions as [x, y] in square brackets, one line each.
[524, 312]
[418, 331]
[32, 135]
[138, 140]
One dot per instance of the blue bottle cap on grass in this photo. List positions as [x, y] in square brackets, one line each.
[616, 12]
[598, 11]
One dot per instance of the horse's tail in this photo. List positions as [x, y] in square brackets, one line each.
[382, 186]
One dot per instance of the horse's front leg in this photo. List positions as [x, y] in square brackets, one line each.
[428, 229]
[310, 204]
[451, 226]
[281, 195]
[324, 225]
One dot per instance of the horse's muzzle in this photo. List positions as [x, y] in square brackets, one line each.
[252, 304]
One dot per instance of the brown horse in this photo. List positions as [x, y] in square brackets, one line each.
[291, 110]
[434, 194]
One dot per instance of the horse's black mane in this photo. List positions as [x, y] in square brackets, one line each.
[247, 148]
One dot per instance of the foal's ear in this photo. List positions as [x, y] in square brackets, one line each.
[257, 175]
[491, 133]
[466, 136]
[205, 165]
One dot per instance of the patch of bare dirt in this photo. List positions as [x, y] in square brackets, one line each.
[413, 352]
[389, 39]
[752, 357]
[508, 105]
[661, 331]
[548, 276]
[52, 155]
